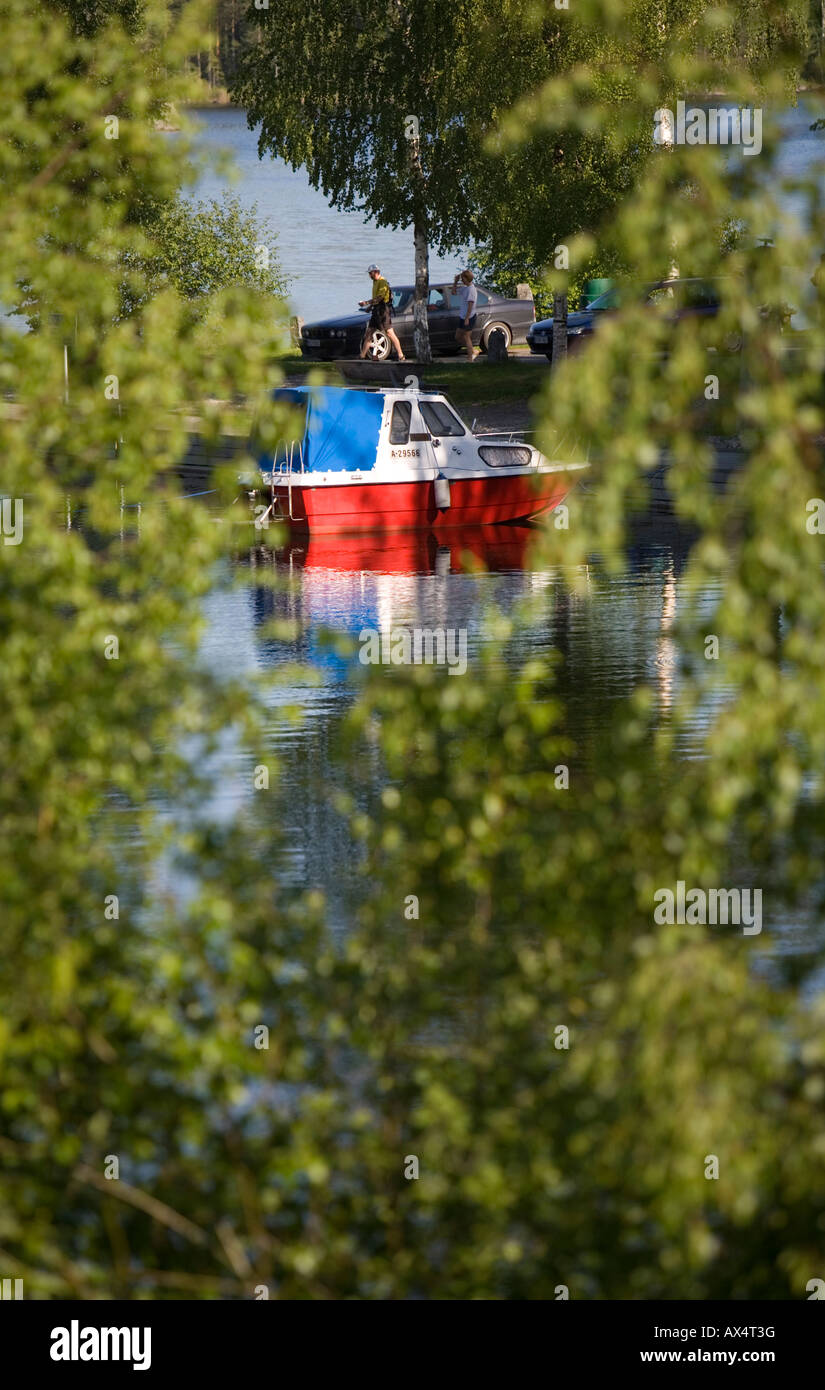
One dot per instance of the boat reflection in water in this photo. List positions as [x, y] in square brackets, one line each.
[382, 582]
[462, 549]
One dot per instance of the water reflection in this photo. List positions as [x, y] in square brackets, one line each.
[494, 548]
[613, 633]
[347, 583]
[666, 647]
[609, 634]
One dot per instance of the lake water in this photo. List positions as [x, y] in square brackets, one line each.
[326, 253]
[612, 638]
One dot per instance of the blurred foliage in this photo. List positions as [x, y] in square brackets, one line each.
[196, 247]
[434, 1035]
[585, 1167]
[88, 16]
[115, 1032]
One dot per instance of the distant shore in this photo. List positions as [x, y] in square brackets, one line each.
[221, 96]
[221, 99]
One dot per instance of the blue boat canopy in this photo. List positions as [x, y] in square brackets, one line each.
[341, 428]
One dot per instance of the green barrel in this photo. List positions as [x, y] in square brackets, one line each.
[593, 288]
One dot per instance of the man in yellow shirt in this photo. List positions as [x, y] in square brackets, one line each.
[381, 313]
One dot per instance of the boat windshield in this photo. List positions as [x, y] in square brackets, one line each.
[439, 419]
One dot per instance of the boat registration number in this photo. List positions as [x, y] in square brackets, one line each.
[405, 453]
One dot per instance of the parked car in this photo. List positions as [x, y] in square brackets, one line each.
[688, 298]
[342, 336]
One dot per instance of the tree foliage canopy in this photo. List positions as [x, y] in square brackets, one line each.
[201, 247]
[331, 84]
[132, 1035]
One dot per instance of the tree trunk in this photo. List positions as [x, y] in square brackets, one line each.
[559, 328]
[421, 327]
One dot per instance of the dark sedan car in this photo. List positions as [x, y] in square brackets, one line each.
[681, 298]
[342, 337]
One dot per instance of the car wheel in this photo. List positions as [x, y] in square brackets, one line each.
[491, 328]
[379, 349]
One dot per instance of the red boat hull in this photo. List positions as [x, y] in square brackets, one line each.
[410, 506]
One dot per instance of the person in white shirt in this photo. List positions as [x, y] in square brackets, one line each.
[467, 296]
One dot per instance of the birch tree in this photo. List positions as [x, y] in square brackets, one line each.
[387, 107]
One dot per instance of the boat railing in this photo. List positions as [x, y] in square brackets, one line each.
[292, 460]
[509, 436]
[286, 469]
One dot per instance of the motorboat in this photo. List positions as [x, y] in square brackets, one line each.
[395, 459]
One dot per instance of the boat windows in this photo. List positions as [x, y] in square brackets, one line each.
[439, 419]
[400, 424]
[505, 455]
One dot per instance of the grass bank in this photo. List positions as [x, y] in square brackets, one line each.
[515, 381]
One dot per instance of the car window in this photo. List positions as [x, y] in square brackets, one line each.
[455, 302]
[401, 300]
[665, 295]
[609, 300]
[701, 295]
[400, 424]
[436, 299]
[439, 419]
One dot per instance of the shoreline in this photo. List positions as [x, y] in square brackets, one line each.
[225, 101]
